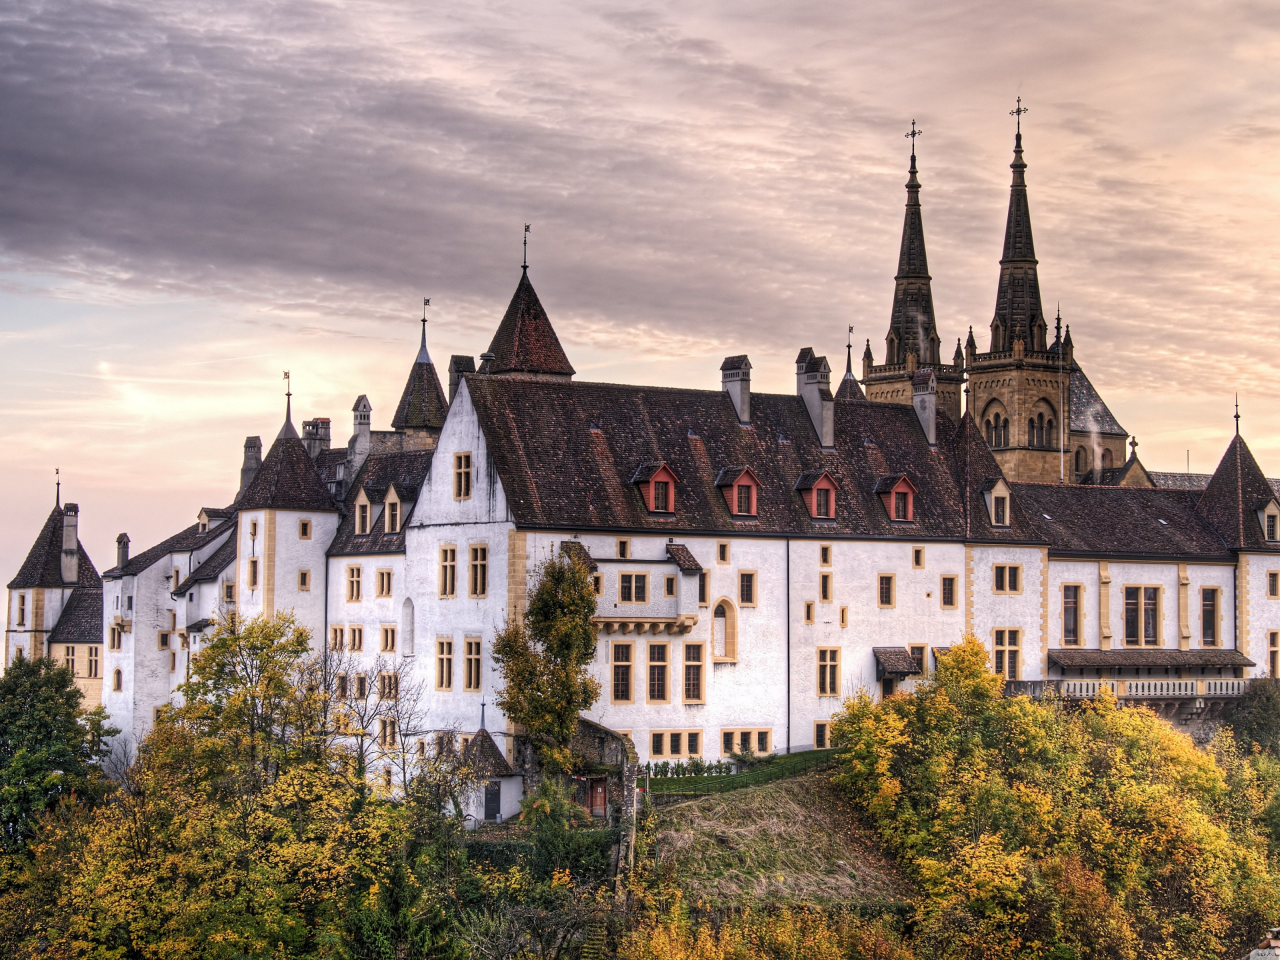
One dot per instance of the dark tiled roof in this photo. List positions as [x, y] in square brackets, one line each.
[199, 626]
[1179, 481]
[647, 471]
[557, 471]
[1235, 492]
[895, 660]
[485, 755]
[849, 389]
[218, 513]
[43, 565]
[977, 473]
[380, 471]
[683, 558]
[736, 362]
[181, 542]
[1149, 658]
[578, 553]
[1119, 521]
[81, 620]
[287, 480]
[422, 405]
[1088, 412]
[213, 565]
[525, 341]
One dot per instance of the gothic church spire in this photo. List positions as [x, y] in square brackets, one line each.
[912, 328]
[1018, 315]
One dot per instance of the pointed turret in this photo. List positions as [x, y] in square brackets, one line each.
[287, 478]
[525, 343]
[912, 329]
[422, 404]
[1018, 315]
[43, 566]
[1238, 498]
[849, 389]
[288, 430]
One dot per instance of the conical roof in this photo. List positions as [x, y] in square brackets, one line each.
[911, 320]
[422, 404]
[1236, 491]
[526, 342]
[849, 388]
[287, 480]
[43, 565]
[1018, 309]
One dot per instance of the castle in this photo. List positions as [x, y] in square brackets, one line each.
[756, 557]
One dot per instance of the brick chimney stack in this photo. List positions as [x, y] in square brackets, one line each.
[70, 543]
[735, 380]
[252, 461]
[122, 550]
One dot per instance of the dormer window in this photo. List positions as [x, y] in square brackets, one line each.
[657, 485]
[391, 512]
[204, 526]
[898, 494]
[1271, 526]
[740, 487]
[818, 488]
[822, 502]
[999, 503]
[362, 518]
[1000, 511]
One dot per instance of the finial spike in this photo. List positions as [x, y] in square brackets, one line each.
[1018, 111]
[1237, 414]
[57, 497]
[524, 264]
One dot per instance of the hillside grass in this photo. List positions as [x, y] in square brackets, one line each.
[792, 841]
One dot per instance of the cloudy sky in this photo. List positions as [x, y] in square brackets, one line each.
[195, 196]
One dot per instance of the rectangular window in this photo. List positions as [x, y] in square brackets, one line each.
[917, 558]
[1000, 511]
[1150, 615]
[822, 502]
[304, 580]
[670, 587]
[340, 686]
[722, 552]
[642, 588]
[949, 592]
[824, 555]
[444, 664]
[1132, 608]
[304, 529]
[1209, 616]
[384, 583]
[448, 571]
[1008, 579]
[1271, 526]
[1273, 584]
[808, 611]
[745, 741]
[675, 744]
[657, 673]
[624, 588]
[693, 673]
[22, 609]
[702, 589]
[1071, 613]
[1007, 653]
[597, 584]
[624, 549]
[388, 686]
[253, 574]
[386, 735]
[762, 741]
[336, 638]
[173, 661]
[355, 638]
[844, 616]
[917, 652]
[388, 639]
[1274, 638]
[69, 656]
[479, 583]
[229, 592]
[747, 588]
[885, 598]
[820, 736]
[661, 496]
[658, 744]
[633, 588]
[900, 505]
[115, 638]
[354, 591]
[744, 498]
[362, 687]
[622, 673]
[163, 642]
[362, 518]
[462, 476]
[393, 516]
[828, 671]
[471, 671]
[824, 587]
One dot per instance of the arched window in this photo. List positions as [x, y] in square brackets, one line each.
[1031, 433]
[991, 437]
[1106, 459]
[406, 627]
[117, 681]
[1082, 460]
[1051, 439]
[724, 631]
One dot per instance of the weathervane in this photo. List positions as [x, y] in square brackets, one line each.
[913, 134]
[1237, 414]
[288, 388]
[524, 265]
[426, 302]
[1018, 111]
[57, 477]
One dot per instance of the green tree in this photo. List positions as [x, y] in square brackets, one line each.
[1256, 721]
[543, 658]
[50, 749]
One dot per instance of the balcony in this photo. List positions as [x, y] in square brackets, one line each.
[1183, 700]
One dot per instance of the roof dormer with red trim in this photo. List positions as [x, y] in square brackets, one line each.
[898, 494]
[657, 484]
[818, 488]
[741, 488]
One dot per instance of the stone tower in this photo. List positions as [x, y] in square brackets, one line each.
[912, 342]
[1020, 391]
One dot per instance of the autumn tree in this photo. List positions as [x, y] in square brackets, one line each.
[50, 748]
[544, 656]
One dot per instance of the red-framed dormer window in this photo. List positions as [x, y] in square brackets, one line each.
[818, 489]
[741, 488]
[899, 497]
[657, 485]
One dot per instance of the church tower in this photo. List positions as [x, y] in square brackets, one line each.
[912, 342]
[1020, 393]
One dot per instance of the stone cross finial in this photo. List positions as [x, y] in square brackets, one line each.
[1133, 447]
[1018, 111]
[913, 134]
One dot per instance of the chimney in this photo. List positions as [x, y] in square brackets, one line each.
[122, 550]
[70, 543]
[924, 397]
[248, 469]
[361, 434]
[315, 435]
[735, 380]
[458, 366]
[813, 386]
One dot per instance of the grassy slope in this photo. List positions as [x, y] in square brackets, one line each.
[795, 840]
